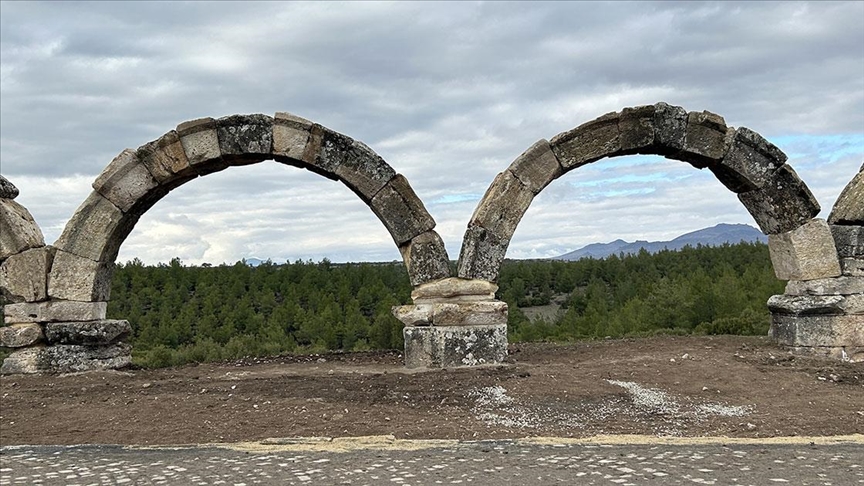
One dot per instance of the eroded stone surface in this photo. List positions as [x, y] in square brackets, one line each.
[670, 128]
[454, 346]
[290, 136]
[20, 335]
[487, 313]
[834, 330]
[853, 267]
[96, 230]
[201, 145]
[783, 204]
[425, 258]
[805, 253]
[482, 254]
[54, 311]
[125, 181]
[502, 206]
[166, 160]
[537, 167]
[19, 231]
[636, 129]
[63, 358]
[849, 240]
[804, 305]
[588, 142]
[401, 211]
[103, 331]
[356, 165]
[849, 207]
[750, 162]
[24, 277]
[454, 290]
[245, 139]
[414, 314]
[77, 278]
[842, 285]
[7, 189]
[705, 142]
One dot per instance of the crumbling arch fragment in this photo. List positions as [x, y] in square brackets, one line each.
[741, 159]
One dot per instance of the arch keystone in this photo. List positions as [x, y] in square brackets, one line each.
[636, 129]
[670, 128]
[245, 139]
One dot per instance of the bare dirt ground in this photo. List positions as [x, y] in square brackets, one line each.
[664, 386]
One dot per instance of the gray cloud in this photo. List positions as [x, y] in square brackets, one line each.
[448, 93]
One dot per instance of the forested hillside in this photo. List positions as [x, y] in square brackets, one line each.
[186, 314]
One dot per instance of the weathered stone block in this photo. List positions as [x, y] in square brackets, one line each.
[783, 204]
[853, 267]
[804, 305]
[537, 167]
[125, 181]
[67, 359]
[401, 211]
[290, 136]
[849, 240]
[670, 128]
[24, 277]
[636, 129]
[54, 311]
[850, 354]
[750, 162]
[425, 258]
[96, 230]
[454, 346]
[20, 335]
[454, 289]
[245, 139]
[818, 330]
[19, 231]
[705, 142]
[843, 285]
[7, 189]
[166, 160]
[201, 145]
[87, 333]
[849, 207]
[588, 142]
[77, 278]
[503, 205]
[805, 253]
[414, 315]
[489, 313]
[482, 254]
[355, 164]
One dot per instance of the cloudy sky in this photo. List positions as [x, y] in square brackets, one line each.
[448, 93]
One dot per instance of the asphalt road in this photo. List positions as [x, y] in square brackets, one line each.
[440, 462]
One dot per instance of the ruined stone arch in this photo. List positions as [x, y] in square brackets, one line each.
[741, 159]
[136, 179]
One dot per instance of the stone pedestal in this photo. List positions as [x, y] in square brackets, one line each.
[454, 322]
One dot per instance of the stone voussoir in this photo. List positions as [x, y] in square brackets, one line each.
[805, 253]
[54, 311]
[636, 129]
[19, 230]
[849, 207]
[67, 358]
[166, 160]
[291, 135]
[454, 289]
[125, 181]
[24, 277]
[537, 166]
[750, 162]
[425, 258]
[849, 240]
[104, 331]
[588, 142]
[80, 279]
[96, 230]
[482, 254]
[7, 189]
[503, 205]
[843, 285]
[783, 204]
[21, 335]
[245, 139]
[670, 128]
[201, 145]
[705, 141]
[401, 211]
[354, 163]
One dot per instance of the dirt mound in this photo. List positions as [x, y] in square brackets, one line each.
[666, 386]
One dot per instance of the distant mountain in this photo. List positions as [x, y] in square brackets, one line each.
[714, 236]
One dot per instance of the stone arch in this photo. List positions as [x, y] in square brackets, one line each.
[135, 180]
[741, 159]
